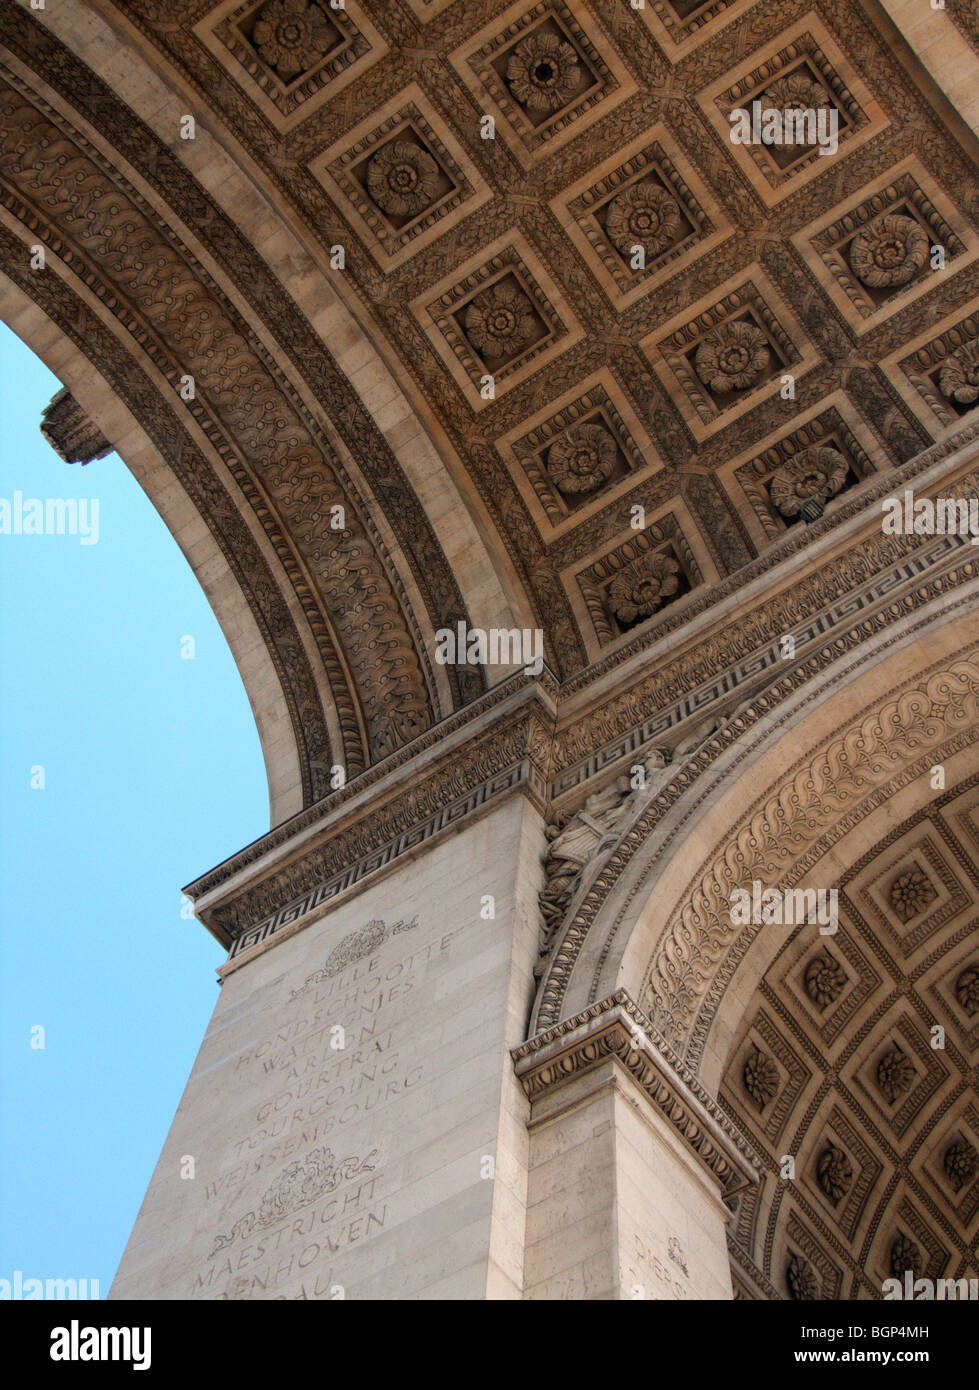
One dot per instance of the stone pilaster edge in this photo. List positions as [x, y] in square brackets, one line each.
[616, 1028]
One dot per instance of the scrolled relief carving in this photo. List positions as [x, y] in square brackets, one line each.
[834, 1172]
[761, 1078]
[643, 215]
[905, 1255]
[811, 476]
[895, 1073]
[499, 321]
[543, 72]
[642, 587]
[234, 381]
[301, 1182]
[959, 376]
[889, 252]
[732, 356]
[581, 459]
[801, 1279]
[796, 92]
[824, 980]
[967, 989]
[960, 1162]
[578, 839]
[911, 892]
[292, 36]
[402, 179]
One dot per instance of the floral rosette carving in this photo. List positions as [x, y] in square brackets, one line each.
[761, 1078]
[824, 980]
[801, 1279]
[644, 215]
[732, 356]
[499, 321]
[905, 1255]
[959, 377]
[967, 989]
[834, 1172]
[643, 586]
[895, 1072]
[402, 179]
[797, 92]
[911, 892]
[543, 72]
[960, 1163]
[889, 252]
[292, 35]
[581, 459]
[812, 475]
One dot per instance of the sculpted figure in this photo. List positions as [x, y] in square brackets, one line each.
[578, 838]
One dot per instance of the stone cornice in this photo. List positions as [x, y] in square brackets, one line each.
[501, 699]
[276, 879]
[450, 780]
[616, 1028]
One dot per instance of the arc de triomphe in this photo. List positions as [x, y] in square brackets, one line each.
[525, 384]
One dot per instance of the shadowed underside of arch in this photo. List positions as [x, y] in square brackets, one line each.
[183, 324]
[430, 385]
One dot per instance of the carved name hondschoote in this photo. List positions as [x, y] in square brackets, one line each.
[301, 1182]
[616, 1028]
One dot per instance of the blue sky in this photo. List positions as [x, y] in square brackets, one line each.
[153, 773]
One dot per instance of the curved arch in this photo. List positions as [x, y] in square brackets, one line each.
[658, 924]
[156, 285]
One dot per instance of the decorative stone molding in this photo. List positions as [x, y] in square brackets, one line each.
[545, 75]
[301, 1182]
[804, 63]
[70, 432]
[421, 798]
[495, 704]
[801, 1279]
[723, 357]
[205, 337]
[893, 737]
[291, 55]
[825, 980]
[967, 989]
[567, 948]
[616, 1028]
[835, 1172]
[576, 840]
[961, 1163]
[812, 476]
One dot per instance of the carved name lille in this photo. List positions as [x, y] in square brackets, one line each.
[353, 947]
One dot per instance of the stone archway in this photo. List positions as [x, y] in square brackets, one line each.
[795, 1030]
[162, 293]
[414, 320]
